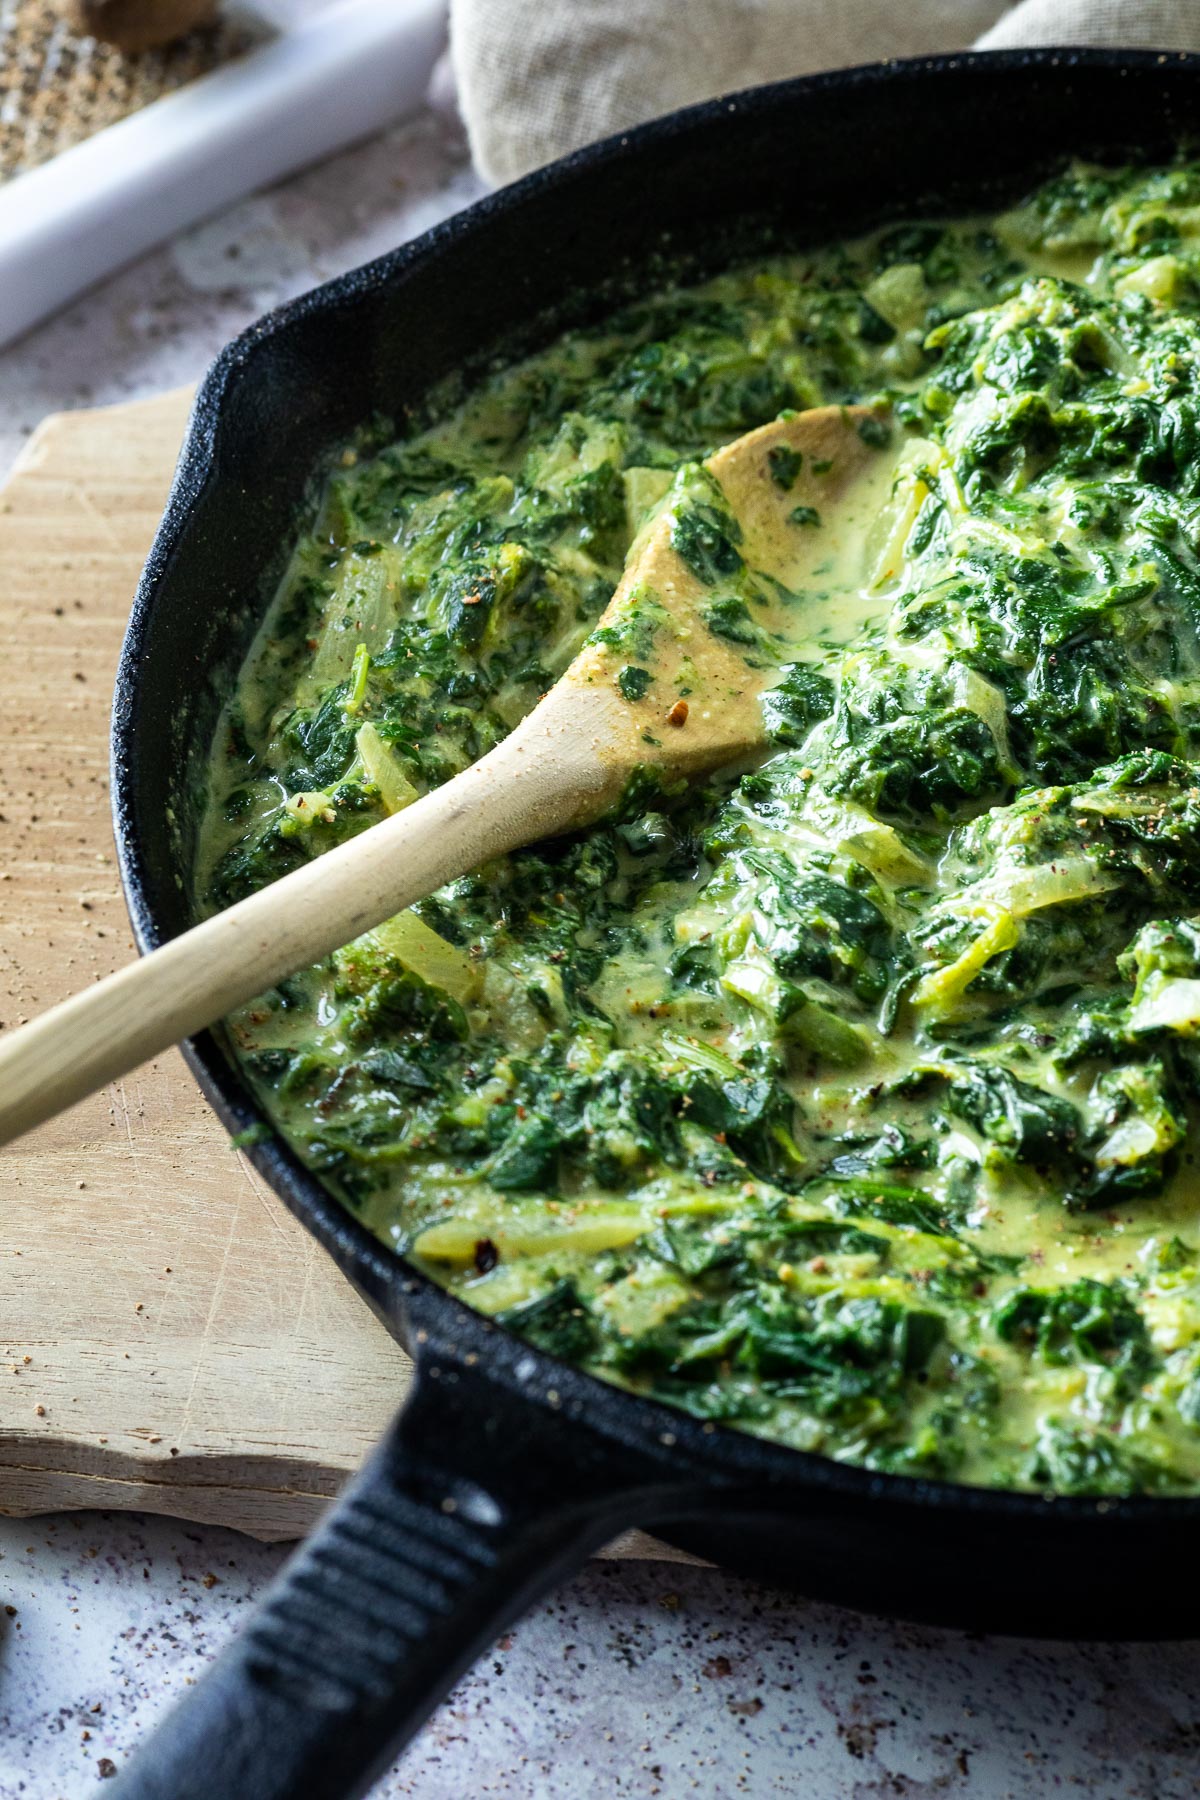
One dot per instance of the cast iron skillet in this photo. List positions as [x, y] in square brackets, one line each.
[506, 1467]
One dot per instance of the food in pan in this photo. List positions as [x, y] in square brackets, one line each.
[849, 1098]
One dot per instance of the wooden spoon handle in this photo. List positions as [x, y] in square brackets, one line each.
[527, 788]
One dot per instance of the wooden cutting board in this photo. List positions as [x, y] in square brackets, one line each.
[171, 1339]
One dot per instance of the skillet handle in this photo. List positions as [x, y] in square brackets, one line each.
[406, 1580]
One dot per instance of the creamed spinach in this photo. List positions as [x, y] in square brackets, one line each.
[852, 1097]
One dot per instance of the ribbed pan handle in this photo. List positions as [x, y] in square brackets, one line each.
[408, 1578]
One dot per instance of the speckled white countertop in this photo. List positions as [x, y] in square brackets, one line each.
[637, 1679]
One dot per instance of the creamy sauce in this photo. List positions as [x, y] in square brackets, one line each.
[849, 1097]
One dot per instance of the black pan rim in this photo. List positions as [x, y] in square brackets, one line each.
[411, 1304]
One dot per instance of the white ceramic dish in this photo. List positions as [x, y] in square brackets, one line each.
[339, 76]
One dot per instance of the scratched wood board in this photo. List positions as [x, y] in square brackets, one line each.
[171, 1339]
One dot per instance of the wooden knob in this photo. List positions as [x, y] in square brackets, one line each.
[139, 24]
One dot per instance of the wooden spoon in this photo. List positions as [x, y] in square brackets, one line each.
[656, 686]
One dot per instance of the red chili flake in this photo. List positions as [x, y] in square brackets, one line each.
[678, 713]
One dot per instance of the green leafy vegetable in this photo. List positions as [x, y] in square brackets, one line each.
[849, 1094]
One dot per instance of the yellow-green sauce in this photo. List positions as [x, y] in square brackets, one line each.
[849, 1098]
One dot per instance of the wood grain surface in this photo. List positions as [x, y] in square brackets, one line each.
[171, 1339]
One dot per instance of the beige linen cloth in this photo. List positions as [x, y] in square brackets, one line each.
[537, 78]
